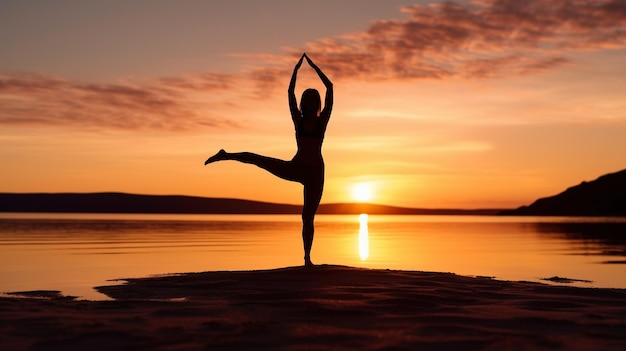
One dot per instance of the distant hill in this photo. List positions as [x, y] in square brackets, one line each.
[605, 196]
[133, 203]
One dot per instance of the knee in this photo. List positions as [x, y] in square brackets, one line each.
[307, 219]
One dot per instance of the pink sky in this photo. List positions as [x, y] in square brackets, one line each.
[468, 104]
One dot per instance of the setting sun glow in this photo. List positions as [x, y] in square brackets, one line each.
[362, 192]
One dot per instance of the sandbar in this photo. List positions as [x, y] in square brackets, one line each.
[326, 307]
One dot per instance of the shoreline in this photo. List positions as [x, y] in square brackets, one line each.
[327, 307]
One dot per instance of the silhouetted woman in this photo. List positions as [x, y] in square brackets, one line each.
[307, 166]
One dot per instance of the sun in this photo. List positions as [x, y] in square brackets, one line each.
[362, 192]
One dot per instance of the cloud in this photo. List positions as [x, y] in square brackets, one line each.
[164, 104]
[477, 39]
[205, 82]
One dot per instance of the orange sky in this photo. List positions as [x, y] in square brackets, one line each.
[473, 104]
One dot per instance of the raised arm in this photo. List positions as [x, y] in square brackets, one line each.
[328, 101]
[293, 103]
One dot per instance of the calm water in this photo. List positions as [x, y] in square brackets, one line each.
[75, 252]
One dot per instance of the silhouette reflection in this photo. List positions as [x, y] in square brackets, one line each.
[364, 245]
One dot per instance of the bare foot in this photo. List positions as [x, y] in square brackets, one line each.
[219, 156]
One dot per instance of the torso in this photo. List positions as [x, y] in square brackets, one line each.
[309, 137]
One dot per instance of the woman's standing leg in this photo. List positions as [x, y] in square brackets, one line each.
[312, 197]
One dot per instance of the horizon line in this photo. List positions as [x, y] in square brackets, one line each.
[346, 203]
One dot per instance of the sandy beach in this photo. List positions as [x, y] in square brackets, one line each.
[326, 307]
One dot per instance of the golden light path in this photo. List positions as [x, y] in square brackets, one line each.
[364, 249]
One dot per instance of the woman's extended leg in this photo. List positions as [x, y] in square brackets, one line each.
[280, 168]
[312, 197]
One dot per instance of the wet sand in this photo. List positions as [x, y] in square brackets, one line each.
[322, 308]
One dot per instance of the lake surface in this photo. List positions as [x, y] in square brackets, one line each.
[76, 252]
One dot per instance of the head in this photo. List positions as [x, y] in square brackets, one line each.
[310, 103]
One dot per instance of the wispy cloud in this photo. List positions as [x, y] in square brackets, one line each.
[473, 40]
[163, 104]
[477, 39]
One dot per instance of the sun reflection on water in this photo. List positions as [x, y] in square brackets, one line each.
[364, 249]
